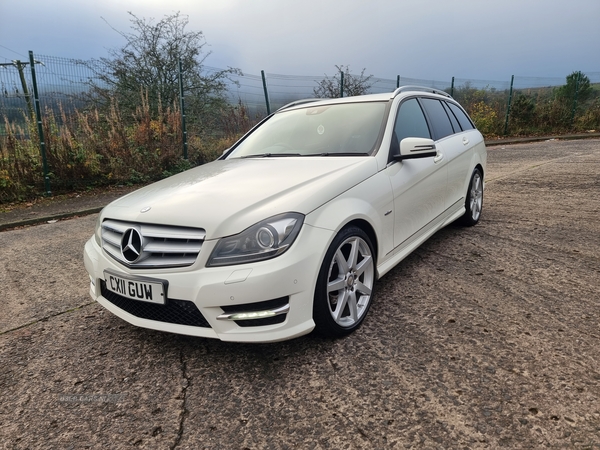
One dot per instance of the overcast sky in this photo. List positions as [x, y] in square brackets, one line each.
[428, 39]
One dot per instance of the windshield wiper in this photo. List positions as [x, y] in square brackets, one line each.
[270, 155]
[277, 155]
[336, 154]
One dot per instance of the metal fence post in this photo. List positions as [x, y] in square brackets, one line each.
[182, 107]
[510, 93]
[575, 98]
[341, 84]
[38, 116]
[264, 81]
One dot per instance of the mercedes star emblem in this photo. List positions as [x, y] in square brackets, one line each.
[131, 245]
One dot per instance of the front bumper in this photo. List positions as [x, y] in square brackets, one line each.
[274, 298]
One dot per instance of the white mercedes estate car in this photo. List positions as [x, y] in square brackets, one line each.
[289, 230]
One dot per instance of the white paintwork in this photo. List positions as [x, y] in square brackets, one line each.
[402, 202]
[225, 197]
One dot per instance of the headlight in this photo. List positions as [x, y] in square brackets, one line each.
[265, 240]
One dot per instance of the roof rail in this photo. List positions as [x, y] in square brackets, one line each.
[299, 102]
[422, 89]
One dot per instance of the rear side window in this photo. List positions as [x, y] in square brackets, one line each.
[455, 124]
[464, 121]
[437, 115]
[410, 121]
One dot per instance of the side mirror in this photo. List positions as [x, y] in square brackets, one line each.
[412, 148]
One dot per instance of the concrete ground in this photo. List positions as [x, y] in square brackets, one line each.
[485, 337]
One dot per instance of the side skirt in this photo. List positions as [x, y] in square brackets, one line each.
[404, 249]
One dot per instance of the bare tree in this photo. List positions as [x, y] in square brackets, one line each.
[353, 84]
[147, 65]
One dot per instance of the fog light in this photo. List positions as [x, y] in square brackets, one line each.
[252, 315]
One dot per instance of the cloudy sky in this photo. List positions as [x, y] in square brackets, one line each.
[428, 39]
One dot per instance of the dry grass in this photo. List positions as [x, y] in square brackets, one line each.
[94, 148]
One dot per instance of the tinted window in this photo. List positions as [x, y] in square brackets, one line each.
[465, 123]
[439, 118]
[453, 120]
[410, 121]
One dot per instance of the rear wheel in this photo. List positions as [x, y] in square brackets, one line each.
[345, 284]
[474, 200]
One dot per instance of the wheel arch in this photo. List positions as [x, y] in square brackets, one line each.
[360, 207]
[476, 163]
[369, 230]
[482, 170]
[339, 286]
[367, 220]
[480, 167]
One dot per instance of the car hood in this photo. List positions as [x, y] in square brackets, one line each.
[226, 197]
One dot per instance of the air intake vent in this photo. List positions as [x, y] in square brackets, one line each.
[181, 312]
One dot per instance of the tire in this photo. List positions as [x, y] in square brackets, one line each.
[474, 200]
[344, 290]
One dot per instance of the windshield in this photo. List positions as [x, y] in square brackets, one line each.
[344, 129]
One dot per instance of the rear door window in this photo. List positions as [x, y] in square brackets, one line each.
[453, 120]
[465, 122]
[438, 117]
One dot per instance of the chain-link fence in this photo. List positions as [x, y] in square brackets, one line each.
[64, 86]
[61, 83]
[52, 132]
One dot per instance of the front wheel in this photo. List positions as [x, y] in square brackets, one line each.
[345, 284]
[474, 200]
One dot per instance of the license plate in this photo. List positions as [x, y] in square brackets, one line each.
[136, 288]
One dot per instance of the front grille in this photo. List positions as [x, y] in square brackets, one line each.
[180, 312]
[160, 246]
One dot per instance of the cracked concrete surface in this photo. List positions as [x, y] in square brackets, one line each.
[485, 337]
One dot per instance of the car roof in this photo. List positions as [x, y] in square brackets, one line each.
[382, 97]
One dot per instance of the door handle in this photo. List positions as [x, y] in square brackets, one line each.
[465, 141]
